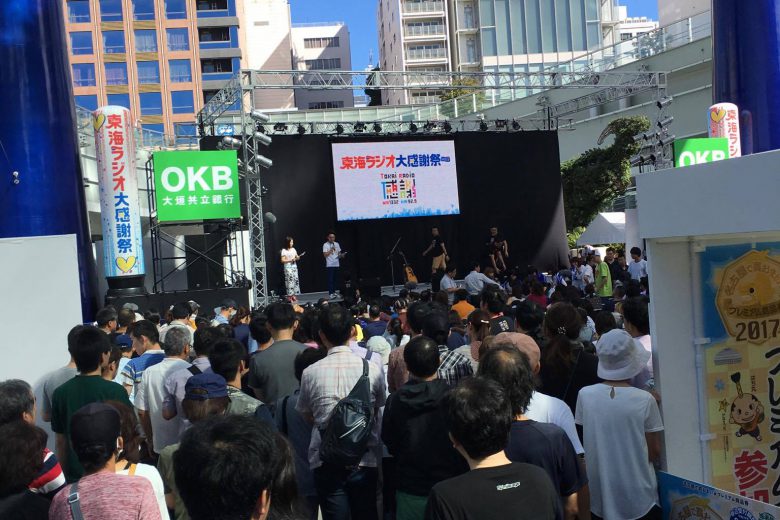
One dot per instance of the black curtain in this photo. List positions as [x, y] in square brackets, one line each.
[508, 180]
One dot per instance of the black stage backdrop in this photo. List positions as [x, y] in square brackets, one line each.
[508, 180]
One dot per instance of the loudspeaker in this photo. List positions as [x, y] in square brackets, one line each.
[370, 287]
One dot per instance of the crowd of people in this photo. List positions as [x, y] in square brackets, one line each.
[527, 397]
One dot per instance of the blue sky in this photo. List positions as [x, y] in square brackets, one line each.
[360, 16]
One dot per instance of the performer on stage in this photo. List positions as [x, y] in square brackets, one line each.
[440, 256]
[290, 262]
[331, 250]
[497, 249]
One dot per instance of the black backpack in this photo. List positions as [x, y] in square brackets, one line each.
[345, 438]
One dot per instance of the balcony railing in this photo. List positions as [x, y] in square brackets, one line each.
[424, 30]
[423, 7]
[426, 54]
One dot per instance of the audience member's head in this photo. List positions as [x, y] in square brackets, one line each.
[492, 299]
[177, 342]
[21, 452]
[437, 327]
[510, 368]
[604, 321]
[90, 350]
[380, 345]
[562, 325]
[17, 402]
[636, 316]
[442, 298]
[461, 295]
[111, 368]
[421, 356]
[130, 431]
[95, 435]
[281, 317]
[416, 316]
[226, 468]
[478, 416]
[181, 311]
[205, 395]
[204, 340]
[486, 345]
[125, 318]
[106, 318]
[307, 358]
[336, 324]
[374, 311]
[528, 316]
[523, 343]
[228, 359]
[479, 325]
[145, 336]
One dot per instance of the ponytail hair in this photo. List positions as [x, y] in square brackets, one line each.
[562, 325]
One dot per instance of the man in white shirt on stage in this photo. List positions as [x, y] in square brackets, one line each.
[331, 250]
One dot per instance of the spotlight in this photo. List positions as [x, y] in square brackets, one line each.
[447, 127]
[339, 129]
[663, 102]
[280, 127]
[637, 161]
[483, 126]
[359, 127]
[666, 141]
[663, 123]
[413, 128]
[515, 125]
[429, 127]
[500, 123]
[269, 217]
[231, 143]
[259, 116]
[377, 128]
[263, 161]
[262, 138]
[301, 130]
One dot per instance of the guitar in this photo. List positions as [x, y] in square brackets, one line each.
[409, 275]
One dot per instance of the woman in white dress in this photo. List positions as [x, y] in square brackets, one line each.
[290, 262]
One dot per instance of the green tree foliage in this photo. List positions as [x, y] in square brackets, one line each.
[465, 86]
[600, 175]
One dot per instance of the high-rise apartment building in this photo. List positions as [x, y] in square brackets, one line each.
[487, 35]
[631, 27]
[322, 47]
[159, 58]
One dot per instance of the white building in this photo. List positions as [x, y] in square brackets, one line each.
[670, 11]
[269, 47]
[322, 47]
[629, 27]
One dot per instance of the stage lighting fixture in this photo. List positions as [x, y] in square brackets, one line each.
[637, 161]
[500, 123]
[663, 102]
[269, 218]
[515, 125]
[413, 128]
[262, 138]
[259, 116]
[260, 128]
[359, 127]
[339, 129]
[429, 127]
[666, 141]
[447, 127]
[483, 126]
[280, 127]
[663, 123]
[231, 143]
[377, 128]
[301, 130]
[264, 161]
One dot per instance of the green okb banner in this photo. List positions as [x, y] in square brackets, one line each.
[196, 185]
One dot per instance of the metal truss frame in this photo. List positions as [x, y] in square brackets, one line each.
[427, 127]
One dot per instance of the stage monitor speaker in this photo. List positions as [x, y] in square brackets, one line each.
[370, 287]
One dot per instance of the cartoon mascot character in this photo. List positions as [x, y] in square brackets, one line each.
[746, 411]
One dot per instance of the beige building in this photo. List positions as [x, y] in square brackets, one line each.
[322, 47]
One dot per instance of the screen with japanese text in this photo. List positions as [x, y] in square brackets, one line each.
[395, 179]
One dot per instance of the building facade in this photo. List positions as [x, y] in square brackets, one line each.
[322, 47]
[158, 58]
[488, 35]
[631, 27]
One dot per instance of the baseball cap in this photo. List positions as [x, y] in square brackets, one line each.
[524, 344]
[620, 356]
[207, 385]
[228, 302]
[194, 305]
[123, 341]
[95, 424]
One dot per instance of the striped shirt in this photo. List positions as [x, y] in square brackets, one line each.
[50, 479]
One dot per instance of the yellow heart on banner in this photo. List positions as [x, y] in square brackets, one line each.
[98, 121]
[125, 264]
[717, 115]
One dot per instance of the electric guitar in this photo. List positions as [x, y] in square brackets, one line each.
[409, 275]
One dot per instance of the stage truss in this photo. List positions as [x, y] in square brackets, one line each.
[236, 96]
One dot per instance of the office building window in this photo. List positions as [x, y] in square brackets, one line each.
[624, 37]
[578, 30]
[151, 103]
[186, 134]
[83, 74]
[534, 25]
[427, 52]
[78, 11]
[323, 105]
[503, 36]
[143, 10]
[212, 5]
[120, 100]
[113, 42]
[145, 40]
[176, 9]
[180, 70]
[214, 34]
[319, 43]
[88, 102]
[110, 10]
[81, 43]
[182, 102]
[178, 39]
[323, 64]
[216, 66]
[116, 73]
[148, 72]
[152, 134]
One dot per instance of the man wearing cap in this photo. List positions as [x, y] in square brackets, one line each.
[226, 310]
[90, 352]
[622, 432]
[181, 313]
[95, 436]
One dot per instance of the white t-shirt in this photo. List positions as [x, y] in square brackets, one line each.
[151, 474]
[548, 409]
[622, 480]
[586, 272]
[289, 254]
[149, 398]
[637, 270]
[332, 260]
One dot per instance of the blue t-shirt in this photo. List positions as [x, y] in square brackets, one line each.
[134, 369]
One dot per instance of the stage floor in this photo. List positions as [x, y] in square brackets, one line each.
[387, 290]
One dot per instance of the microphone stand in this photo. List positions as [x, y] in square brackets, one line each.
[390, 259]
